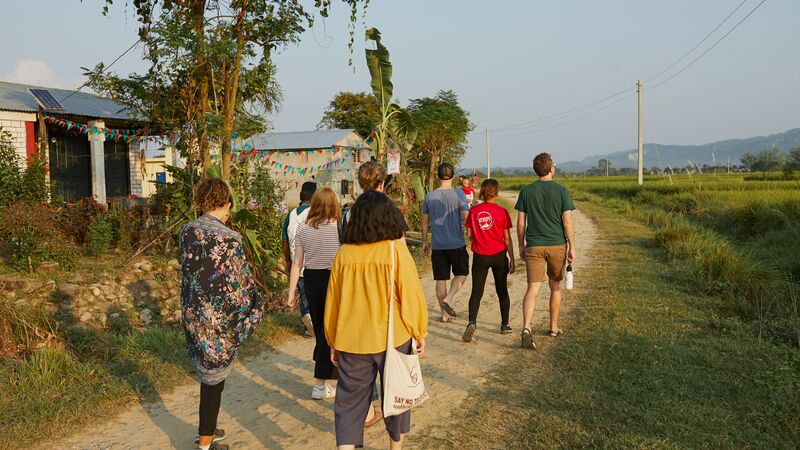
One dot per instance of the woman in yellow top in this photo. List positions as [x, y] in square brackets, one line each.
[357, 313]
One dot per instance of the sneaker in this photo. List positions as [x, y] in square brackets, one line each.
[467, 336]
[527, 339]
[323, 392]
[219, 434]
[215, 446]
[505, 329]
[309, 325]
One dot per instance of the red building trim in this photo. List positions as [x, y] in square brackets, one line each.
[30, 139]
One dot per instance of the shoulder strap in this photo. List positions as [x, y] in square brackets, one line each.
[390, 333]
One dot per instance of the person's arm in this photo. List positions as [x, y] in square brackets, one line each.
[287, 254]
[512, 265]
[426, 220]
[468, 225]
[521, 225]
[294, 275]
[570, 232]
[413, 309]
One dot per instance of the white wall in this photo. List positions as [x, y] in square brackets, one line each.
[14, 123]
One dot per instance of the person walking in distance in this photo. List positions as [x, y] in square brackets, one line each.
[293, 220]
[487, 225]
[546, 240]
[318, 240]
[469, 192]
[444, 211]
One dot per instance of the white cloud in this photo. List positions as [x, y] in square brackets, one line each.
[35, 72]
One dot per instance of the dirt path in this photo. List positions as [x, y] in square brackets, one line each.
[267, 404]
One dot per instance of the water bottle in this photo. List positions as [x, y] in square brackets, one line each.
[569, 276]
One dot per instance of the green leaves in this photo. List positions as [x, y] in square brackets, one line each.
[380, 69]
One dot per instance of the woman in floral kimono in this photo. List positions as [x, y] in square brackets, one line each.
[219, 299]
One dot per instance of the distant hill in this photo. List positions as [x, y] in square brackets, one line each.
[660, 155]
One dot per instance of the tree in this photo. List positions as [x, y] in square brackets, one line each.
[769, 160]
[442, 127]
[748, 160]
[210, 67]
[357, 110]
[793, 160]
[604, 165]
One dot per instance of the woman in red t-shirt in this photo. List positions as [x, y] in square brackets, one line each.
[487, 225]
[468, 191]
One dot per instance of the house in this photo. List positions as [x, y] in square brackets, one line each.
[92, 143]
[327, 157]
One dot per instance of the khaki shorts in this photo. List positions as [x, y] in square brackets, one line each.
[545, 260]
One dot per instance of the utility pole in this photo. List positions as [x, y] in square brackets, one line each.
[641, 137]
[606, 166]
[488, 161]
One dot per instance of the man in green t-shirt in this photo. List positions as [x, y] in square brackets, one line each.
[544, 228]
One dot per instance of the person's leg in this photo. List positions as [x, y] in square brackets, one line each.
[316, 286]
[305, 312]
[356, 376]
[400, 424]
[535, 268]
[480, 270]
[459, 260]
[556, 264]
[500, 274]
[210, 399]
[441, 273]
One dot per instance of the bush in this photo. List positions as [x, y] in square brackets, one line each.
[28, 185]
[29, 235]
[77, 216]
[100, 234]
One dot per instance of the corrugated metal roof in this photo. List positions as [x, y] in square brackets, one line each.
[298, 140]
[15, 97]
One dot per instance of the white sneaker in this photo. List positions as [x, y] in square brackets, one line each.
[309, 325]
[323, 392]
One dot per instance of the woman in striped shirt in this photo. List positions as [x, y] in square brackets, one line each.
[316, 243]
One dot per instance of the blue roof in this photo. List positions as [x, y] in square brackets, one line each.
[299, 140]
[15, 97]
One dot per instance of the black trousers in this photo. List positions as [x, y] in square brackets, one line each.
[210, 397]
[481, 264]
[316, 286]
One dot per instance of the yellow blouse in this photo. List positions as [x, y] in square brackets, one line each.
[357, 305]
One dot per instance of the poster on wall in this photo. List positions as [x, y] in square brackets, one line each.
[393, 163]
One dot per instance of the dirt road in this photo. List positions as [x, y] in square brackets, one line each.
[267, 400]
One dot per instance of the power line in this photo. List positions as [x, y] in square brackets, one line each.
[709, 48]
[76, 90]
[698, 44]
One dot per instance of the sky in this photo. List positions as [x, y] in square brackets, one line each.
[509, 61]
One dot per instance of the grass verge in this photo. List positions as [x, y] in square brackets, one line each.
[91, 376]
[646, 362]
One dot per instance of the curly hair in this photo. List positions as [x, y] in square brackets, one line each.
[324, 208]
[212, 193]
[373, 218]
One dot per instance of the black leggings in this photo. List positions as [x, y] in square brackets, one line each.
[480, 270]
[316, 286]
[210, 397]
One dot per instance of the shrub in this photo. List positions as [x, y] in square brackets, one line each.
[77, 216]
[10, 170]
[100, 234]
[29, 234]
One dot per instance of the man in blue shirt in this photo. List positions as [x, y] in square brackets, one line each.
[293, 220]
[444, 211]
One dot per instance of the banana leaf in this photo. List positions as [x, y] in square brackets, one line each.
[380, 69]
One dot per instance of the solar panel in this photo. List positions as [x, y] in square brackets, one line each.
[46, 100]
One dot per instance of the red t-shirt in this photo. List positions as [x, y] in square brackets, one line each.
[488, 223]
[470, 193]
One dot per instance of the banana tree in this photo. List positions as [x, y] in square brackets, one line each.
[393, 117]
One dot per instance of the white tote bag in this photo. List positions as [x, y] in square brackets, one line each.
[403, 387]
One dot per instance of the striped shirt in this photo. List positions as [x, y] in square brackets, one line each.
[319, 245]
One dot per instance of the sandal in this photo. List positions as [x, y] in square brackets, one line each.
[556, 333]
[527, 339]
[443, 320]
[376, 417]
[449, 309]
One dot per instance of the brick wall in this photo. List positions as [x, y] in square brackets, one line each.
[14, 123]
